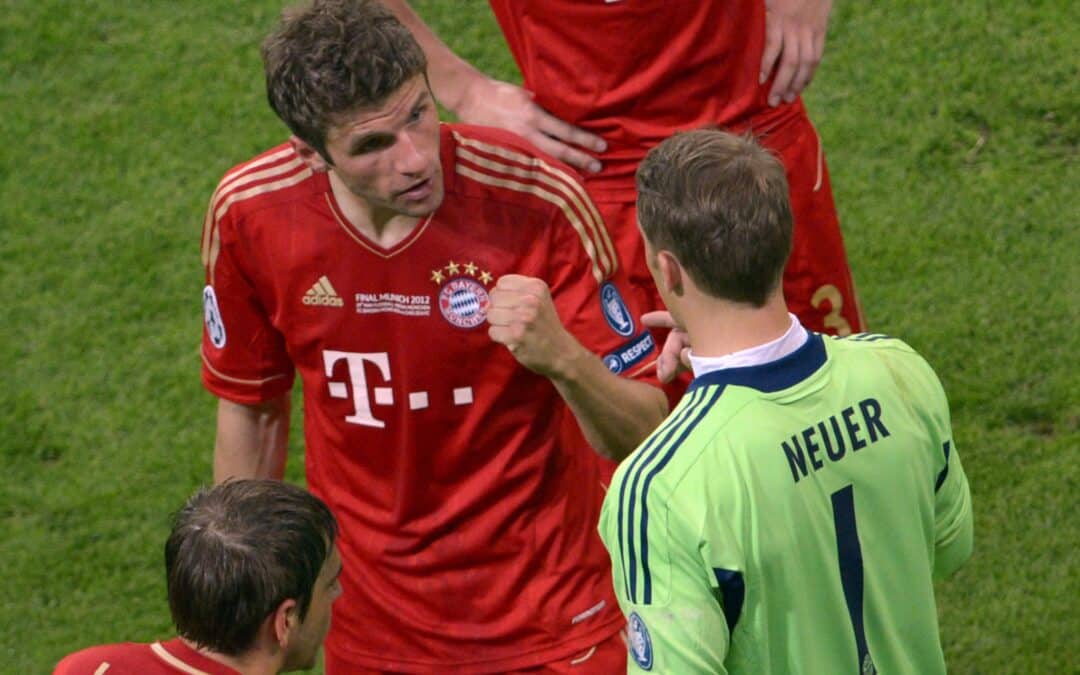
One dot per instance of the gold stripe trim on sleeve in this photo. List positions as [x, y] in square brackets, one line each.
[557, 177]
[284, 152]
[260, 189]
[248, 178]
[556, 199]
[207, 233]
[237, 177]
[215, 237]
[236, 380]
[820, 159]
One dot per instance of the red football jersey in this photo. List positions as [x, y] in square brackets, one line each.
[132, 658]
[634, 71]
[468, 525]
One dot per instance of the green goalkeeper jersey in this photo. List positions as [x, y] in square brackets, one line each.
[791, 517]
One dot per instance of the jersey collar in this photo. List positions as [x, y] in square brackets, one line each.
[774, 375]
[792, 339]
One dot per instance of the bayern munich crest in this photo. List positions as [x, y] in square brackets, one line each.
[463, 298]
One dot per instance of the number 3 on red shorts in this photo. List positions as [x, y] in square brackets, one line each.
[833, 319]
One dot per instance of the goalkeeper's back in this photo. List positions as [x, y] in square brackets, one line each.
[790, 517]
[790, 514]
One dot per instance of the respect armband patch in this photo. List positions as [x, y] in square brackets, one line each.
[630, 353]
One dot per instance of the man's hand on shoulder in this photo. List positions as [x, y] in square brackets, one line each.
[494, 103]
[522, 317]
[794, 45]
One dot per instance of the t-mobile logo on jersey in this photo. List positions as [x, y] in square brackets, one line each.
[363, 397]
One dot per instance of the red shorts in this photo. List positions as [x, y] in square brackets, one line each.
[817, 280]
[608, 657]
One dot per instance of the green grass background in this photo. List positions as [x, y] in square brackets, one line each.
[952, 134]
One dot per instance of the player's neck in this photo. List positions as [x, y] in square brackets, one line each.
[719, 327]
[250, 663]
[384, 228]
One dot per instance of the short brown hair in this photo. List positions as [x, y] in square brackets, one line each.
[236, 552]
[719, 202]
[329, 57]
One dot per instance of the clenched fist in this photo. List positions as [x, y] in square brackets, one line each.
[522, 317]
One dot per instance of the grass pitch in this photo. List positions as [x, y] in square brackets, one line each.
[951, 132]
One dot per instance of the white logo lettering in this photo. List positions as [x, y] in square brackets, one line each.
[360, 395]
[393, 303]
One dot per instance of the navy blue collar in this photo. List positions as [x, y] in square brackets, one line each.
[773, 376]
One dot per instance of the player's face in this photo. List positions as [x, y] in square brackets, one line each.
[305, 647]
[388, 155]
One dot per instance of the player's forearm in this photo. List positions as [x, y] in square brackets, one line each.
[252, 440]
[615, 413]
[450, 75]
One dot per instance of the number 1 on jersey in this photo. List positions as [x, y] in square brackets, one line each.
[851, 570]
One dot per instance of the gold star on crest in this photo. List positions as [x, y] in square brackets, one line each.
[452, 268]
[470, 269]
[437, 276]
[485, 277]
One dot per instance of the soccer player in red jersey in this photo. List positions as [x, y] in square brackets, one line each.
[450, 299]
[252, 570]
[606, 81]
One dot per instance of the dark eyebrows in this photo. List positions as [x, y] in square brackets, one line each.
[422, 101]
[366, 142]
[369, 141]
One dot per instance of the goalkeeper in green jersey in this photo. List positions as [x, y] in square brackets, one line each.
[792, 512]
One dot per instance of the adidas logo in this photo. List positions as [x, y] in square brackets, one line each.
[323, 293]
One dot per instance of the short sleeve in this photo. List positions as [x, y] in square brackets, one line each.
[953, 518]
[244, 356]
[664, 579]
[591, 292]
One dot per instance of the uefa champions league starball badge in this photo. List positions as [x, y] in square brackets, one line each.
[640, 643]
[463, 294]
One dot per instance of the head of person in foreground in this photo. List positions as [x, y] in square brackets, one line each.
[252, 571]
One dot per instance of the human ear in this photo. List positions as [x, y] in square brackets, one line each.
[670, 272]
[286, 620]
